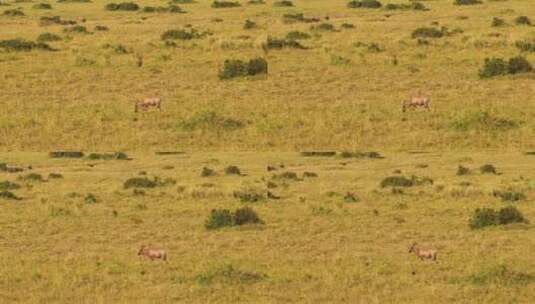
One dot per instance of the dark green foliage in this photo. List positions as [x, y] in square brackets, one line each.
[292, 18]
[233, 68]
[327, 27]
[8, 195]
[283, 3]
[219, 218]
[522, 20]
[42, 6]
[488, 169]
[246, 215]
[108, 156]
[55, 176]
[249, 25]
[225, 4]
[161, 9]
[489, 217]
[417, 6]
[463, 170]
[273, 43]
[55, 20]
[21, 45]
[364, 4]
[184, 34]
[123, 6]
[497, 22]
[206, 172]
[7, 185]
[401, 181]
[139, 182]
[64, 154]
[359, 154]
[210, 121]
[32, 177]
[428, 32]
[76, 29]
[101, 28]
[509, 196]
[46, 37]
[519, 64]
[466, 2]
[90, 198]
[232, 170]
[13, 13]
[493, 67]
[318, 153]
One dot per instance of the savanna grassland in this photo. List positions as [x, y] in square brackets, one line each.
[246, 208]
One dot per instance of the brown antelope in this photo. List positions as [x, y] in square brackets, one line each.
[147, 103]
[152, 253]
[427, 254]
[416, 102]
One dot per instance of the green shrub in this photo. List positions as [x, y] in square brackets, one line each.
[123, 6]
[466, 2]
[65, 154]
[219, 218]
[76, 29]
[108, 156]
[139, 182]
[233, 68]
[256, 2]
[7, 185]
[283, 3]
[249, 25]
[522, 20]
[184, 34]
[206, 172]
[298, 17]
[364, 4]
[249, 196]
[497, 22]
[359, 154]
[525, 46]
[347, 25]
[489, 217]
[55, 176]
[225, 4]
[519, 64]
[273, 43]
[417, 6]
[21, 45]
[488, 169]
[509, 196]
[493, 67]
[396, 181]
[318, 153]
[232, 170]
[13, 13]
[182, 1]
[160, 9]
[46, 37]
[45, 20]
[90, 198]
[510, 215]
[32, 177]
[42, 6]
[101, 28]
[428, 32]
[9, 195]
[463, 170]
[246, 215]
[327, 27]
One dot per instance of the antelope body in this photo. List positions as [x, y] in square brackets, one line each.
[423, 254]
[416, 102]
[152, 253]
[147, 103]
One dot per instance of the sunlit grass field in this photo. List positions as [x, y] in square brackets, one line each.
[82, 95]
[315, 245]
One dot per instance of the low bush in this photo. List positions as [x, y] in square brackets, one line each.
[233, 68]
[417, 6]
[220, 218]
[283, 3]
[210, 121]
[360, 154]
[47, 37]
[467, 2]
[45, 20]
[32, 177]
[463, 170]
[206, 172]
[497, 22]
[318, 153]
[79, 29]
[66, 154]
[108, 156]
[489, 217]
[273, 43]
[326, 27]
[488, 169]
[21, 45]
[139, 182]
[123, 6]
[525, 46]
[13, 13]
[402, 181]
[8, 195]
[298, 17]
[232, 170]
[364, 4]
[7, 185]
[509, 196]
[55, 176]
[184, 34]
[522, 20]
[45, 6]
[249, 25]
[225, 4]
[101, 28]
[428, 32]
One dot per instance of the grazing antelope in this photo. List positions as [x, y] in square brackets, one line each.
[428, 254]
[416, 102]
[152, 253]
[147, 103]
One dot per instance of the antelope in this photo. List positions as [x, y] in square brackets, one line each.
[147, 103]
[416, 102]
[428, 254]
[152, 253]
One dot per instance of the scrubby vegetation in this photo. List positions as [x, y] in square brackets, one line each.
[489, 217]
[220, 218]
[238, 68]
